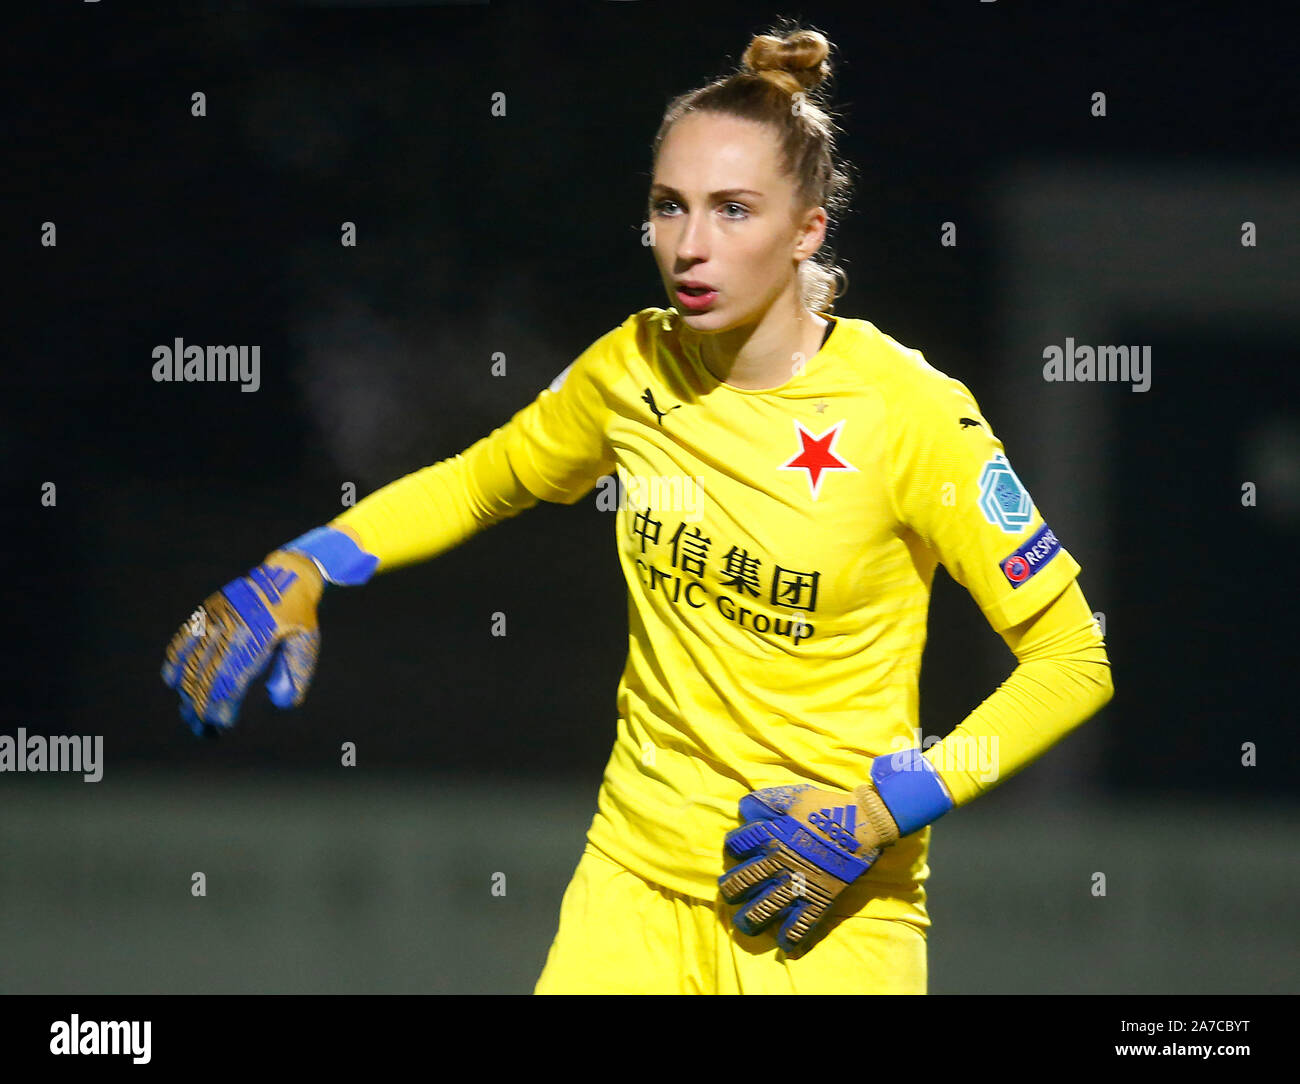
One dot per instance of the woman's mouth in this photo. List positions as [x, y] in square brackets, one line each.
[696, 298]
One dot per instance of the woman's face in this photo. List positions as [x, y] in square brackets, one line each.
[723, 214]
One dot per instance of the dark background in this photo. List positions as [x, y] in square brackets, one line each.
[521, 234]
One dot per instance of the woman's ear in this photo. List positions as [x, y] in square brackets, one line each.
[812, 233]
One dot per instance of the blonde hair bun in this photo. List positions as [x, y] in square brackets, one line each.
[797, 62]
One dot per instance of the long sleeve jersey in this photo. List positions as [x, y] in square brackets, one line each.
[779, 547]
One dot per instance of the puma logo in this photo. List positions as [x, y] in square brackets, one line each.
[966, 423]
[649, 400]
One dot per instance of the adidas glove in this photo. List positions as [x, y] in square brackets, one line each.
[268, 616]
[802, 846]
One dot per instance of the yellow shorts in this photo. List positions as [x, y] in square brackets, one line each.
[622, 934]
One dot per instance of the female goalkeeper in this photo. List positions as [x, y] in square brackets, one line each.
[789, 481]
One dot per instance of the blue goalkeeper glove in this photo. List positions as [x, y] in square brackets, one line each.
[802, 846]
[268, 616]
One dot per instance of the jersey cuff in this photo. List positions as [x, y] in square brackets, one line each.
[911, 788]
[340, 560]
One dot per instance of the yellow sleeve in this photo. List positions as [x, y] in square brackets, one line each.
[1063, 678]
[554, 449]
[955, 491]
[433, 509]
[558, 445]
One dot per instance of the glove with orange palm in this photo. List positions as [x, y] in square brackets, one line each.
[802, 846]
[268, 616]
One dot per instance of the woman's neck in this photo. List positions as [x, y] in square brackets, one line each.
[763, 355]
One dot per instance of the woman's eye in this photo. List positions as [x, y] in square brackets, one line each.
[660, 207]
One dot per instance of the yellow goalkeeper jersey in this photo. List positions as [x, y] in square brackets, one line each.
[779, 548]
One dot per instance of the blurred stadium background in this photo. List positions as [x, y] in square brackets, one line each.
[521, 234]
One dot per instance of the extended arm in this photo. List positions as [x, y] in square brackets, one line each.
[554, 449]
[438, 507]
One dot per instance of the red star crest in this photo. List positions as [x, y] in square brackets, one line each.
[817, 455]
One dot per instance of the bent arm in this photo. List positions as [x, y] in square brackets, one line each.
[1063, 679]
